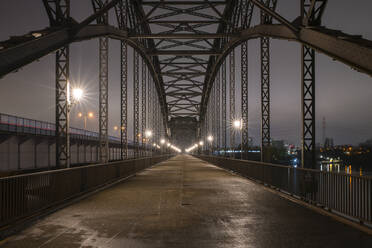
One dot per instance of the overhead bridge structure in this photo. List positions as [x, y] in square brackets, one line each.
[185, 89]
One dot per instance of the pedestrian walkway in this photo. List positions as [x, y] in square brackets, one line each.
[186, 202]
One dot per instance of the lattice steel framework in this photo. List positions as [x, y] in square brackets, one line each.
[212, 110]
[103, 84]
[232, 100]
[223, 106]
[59, 14]
[246, 17]
[121, 15]
[103, 99]
[311, 15]
[143, 107]
[62, 107]
[136, 102]
[218, 111]
[265, 84]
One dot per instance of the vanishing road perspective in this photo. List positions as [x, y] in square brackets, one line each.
[159, 123]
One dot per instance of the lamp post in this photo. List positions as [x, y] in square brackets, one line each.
[148, 135]
[162, 143]
[75, 97]
[85, 116]
[210, 140]
[237, 124]
[201, 143]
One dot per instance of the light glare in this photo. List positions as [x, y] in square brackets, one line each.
[77, 94]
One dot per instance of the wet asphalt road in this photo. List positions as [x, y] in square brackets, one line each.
[185, 202]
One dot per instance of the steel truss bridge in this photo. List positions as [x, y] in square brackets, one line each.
[184, 64]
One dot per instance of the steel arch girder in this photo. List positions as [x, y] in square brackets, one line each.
[16, 57]
[356, 53]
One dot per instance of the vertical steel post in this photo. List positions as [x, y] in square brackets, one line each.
[246, 17]
[103, 100]
[308, 158]
[265, 86]
[224, 114]
[62, 98]
[103, 86]
[232, 101]
[265, 99]
[143, 107]
[136, 134]
[218, 112]
[149, 110]
[121, 14]
[124, 101]
[213, 117]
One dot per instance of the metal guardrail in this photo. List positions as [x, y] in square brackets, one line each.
[29, 194]
[345, 194]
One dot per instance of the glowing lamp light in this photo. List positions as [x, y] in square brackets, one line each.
[77, 94]
[148, 133]
[210, 138]
[237, 124]
[90, 114]
[115, 128]
[201, 143]
[162, 141]
[80, 114]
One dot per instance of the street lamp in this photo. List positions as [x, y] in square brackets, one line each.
[210, 139]
[85, 116]
[77, 95]
[148, 133]
[238, 125]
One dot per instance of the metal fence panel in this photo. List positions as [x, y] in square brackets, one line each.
[347, 194]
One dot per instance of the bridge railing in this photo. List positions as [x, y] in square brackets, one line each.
[31, 194]
[344, 194]
[15, 124]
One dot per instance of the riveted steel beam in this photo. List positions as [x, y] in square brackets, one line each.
[121, 15]
[62, 12]
[265, 84]
[181, 36]
[136, 130]
[183, 52]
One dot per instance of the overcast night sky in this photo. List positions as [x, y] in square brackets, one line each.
[343, 95]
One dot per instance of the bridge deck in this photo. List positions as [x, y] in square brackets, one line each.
[185, 202]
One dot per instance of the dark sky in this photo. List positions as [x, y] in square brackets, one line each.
[343, 95]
